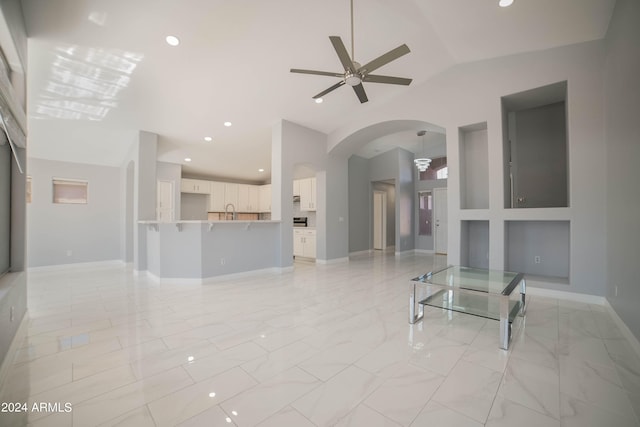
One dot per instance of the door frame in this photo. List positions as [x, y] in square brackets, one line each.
[379, 221]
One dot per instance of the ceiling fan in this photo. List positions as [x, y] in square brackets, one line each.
[355, 74]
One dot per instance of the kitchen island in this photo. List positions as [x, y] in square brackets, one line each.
[199, 250]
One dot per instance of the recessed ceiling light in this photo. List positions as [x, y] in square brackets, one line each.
[187, 159]
[208, 138]
[318, 100]
[227, 124]
[260, 170]
[172, 40]
[505, 3]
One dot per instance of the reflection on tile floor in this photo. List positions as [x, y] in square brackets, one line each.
[320, 346]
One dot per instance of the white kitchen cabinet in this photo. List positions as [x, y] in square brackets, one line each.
[264, 198]
[197, 186]
[217, 197]
[308, 194]
[248, 198]
[304, 243]
[231, 195]
[296, 187]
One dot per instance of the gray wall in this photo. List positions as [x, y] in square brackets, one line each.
[196, 252]
[540, 157]
[392, 166]
[87, 230]
[141, 159]
[475, 244]
[547, 239]
[622, 119]
[474, 170]
[359, 203]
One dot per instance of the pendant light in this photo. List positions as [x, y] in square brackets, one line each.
[422, 163]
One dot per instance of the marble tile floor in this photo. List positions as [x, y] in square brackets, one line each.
[324, 345]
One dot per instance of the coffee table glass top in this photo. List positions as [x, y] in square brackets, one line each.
[473, 279]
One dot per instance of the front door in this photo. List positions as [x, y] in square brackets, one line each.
[440, 219]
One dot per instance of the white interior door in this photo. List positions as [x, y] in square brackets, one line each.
[165, 209]
[440, 219]
[379, 220]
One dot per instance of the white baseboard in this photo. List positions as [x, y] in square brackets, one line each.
[7, 363]
[403, 253]
[633, 341]
[424, 251]
[564, 295]
[213, 279]
[365, 252]
[332, 261]
[78, 265]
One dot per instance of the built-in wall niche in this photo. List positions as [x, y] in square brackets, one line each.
[474, 244]
[535, 148]
[474, 166]
[538, 248]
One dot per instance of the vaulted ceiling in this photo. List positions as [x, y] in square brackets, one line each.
[100, 70]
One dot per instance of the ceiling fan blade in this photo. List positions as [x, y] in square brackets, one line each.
[319, 73]
[359, 90]
[384, 59]
[345, 59]
[326, 91]
[374, 78]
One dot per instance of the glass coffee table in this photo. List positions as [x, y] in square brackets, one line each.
[484, 293]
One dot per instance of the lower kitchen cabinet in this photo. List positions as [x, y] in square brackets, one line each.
[304, 243]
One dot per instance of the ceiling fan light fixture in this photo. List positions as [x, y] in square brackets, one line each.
[505, 3]
[352, 79]
[318, 100]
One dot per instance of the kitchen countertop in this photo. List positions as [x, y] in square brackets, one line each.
[235, 221]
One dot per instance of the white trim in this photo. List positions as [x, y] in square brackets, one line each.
[365, 252]
[332, 261]
[633, 340]
[425, 251]
[571, 296]
[7, 363]
[212, 279]
[249, 273]
[78, 265]
[402, 253]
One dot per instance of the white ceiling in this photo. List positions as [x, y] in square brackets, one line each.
[100, 70]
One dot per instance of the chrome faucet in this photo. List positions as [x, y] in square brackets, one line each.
[233, 211]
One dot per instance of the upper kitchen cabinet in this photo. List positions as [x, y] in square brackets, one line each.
[196, 186]
[535, 148]
[231, 195]
[264, 196]
[296, 188]
[248, 198]
[217, 197]
[308, 194]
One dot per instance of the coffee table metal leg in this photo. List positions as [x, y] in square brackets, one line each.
[505, 326]
[416, 310]
[523, 302]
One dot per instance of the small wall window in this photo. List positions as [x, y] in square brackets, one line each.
[442, 173]
[425, 200]
[433, 172]
[71, 191]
